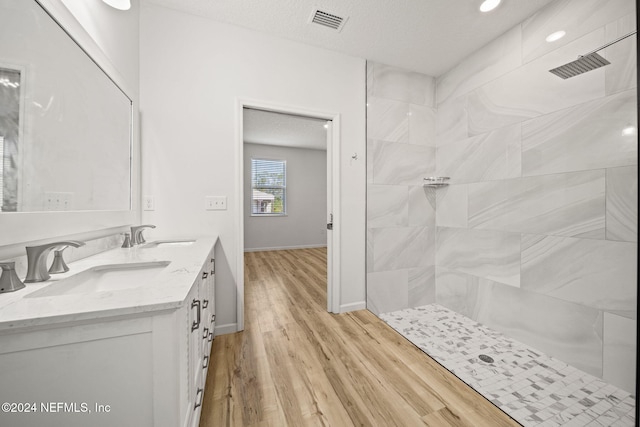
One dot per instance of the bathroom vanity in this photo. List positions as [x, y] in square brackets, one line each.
[123, 338]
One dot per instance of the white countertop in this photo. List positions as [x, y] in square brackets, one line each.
[168, 290]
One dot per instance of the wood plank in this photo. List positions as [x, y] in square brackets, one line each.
[297, 365]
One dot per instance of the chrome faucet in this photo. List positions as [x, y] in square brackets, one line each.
[136, 234]
[37, 259]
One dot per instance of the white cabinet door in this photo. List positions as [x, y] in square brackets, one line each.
[92, 374]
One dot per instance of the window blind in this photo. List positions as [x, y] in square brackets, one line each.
[268, 187]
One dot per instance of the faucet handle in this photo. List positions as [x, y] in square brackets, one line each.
[127, 241]
[58, 265]
[9, 281]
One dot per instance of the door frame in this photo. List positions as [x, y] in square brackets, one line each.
[333, 168]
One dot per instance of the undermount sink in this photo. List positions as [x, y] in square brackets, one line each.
[109, 277]
[164, 243]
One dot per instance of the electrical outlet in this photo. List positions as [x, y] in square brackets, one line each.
[58, 201]
[148, 203]
[215, 203]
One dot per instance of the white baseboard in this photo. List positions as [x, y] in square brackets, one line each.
[360, 305]
[284, 248]
[229, 328]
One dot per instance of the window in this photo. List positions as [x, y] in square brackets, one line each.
[268, 187]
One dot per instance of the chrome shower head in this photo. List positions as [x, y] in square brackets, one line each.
[581, 65]
[587, 62]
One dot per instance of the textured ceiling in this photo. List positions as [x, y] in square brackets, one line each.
[428, 36]
[264, 127]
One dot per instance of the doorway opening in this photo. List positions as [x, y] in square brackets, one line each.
[287, 189]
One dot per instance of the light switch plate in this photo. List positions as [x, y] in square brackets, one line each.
[215, 203]
[148, 203]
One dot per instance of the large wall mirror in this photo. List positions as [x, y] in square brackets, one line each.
[65, 125]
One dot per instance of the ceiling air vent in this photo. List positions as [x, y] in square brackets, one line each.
[328, 20]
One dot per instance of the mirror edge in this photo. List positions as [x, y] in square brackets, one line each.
[21, 227]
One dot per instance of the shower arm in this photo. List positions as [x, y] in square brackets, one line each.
[610, 43]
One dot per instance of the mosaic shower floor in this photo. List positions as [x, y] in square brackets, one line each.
[534, 389]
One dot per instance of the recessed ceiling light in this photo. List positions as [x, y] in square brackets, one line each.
[629, 130]
[555, 36]
[119, 4]
[489, 5]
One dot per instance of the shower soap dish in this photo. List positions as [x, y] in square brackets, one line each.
[436, 181]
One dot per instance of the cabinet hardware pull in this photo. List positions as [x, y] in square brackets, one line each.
[206, 333]
[198, 401]
[213, 318]
[205, 363]
[205, 303]
[204, 274]
[196, 323]
[213, 272]
[210, 336]
[213, 266]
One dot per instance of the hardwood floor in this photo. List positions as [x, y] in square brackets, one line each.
[297, 365]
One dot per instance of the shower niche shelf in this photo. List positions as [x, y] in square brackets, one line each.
[436, 181]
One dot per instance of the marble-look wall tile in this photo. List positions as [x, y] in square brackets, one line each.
[490, 156]
[571, 204]
[422, 286]
[401, 138]
[494, 59]
[402, 164]
[387, 291]
[595, 273]
[588, 136]
[507, 100]
[561, 329]
[422, 206]
[576, 17]
[452, 206]
[369, 250]
[370, 66]
[402, 247]
[402, 85]
[622, 74]
[387, 120]
[369, 161]
[619, 358]
[422, 125]
[622, 204]
[387, 205]
[492, 255]
[460, 292]
[451, 120]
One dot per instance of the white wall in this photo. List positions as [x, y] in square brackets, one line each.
[305, 222]
[193, 71]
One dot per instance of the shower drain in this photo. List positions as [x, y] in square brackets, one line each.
[485, 358]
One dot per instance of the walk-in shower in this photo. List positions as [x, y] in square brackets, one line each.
[527, 254]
